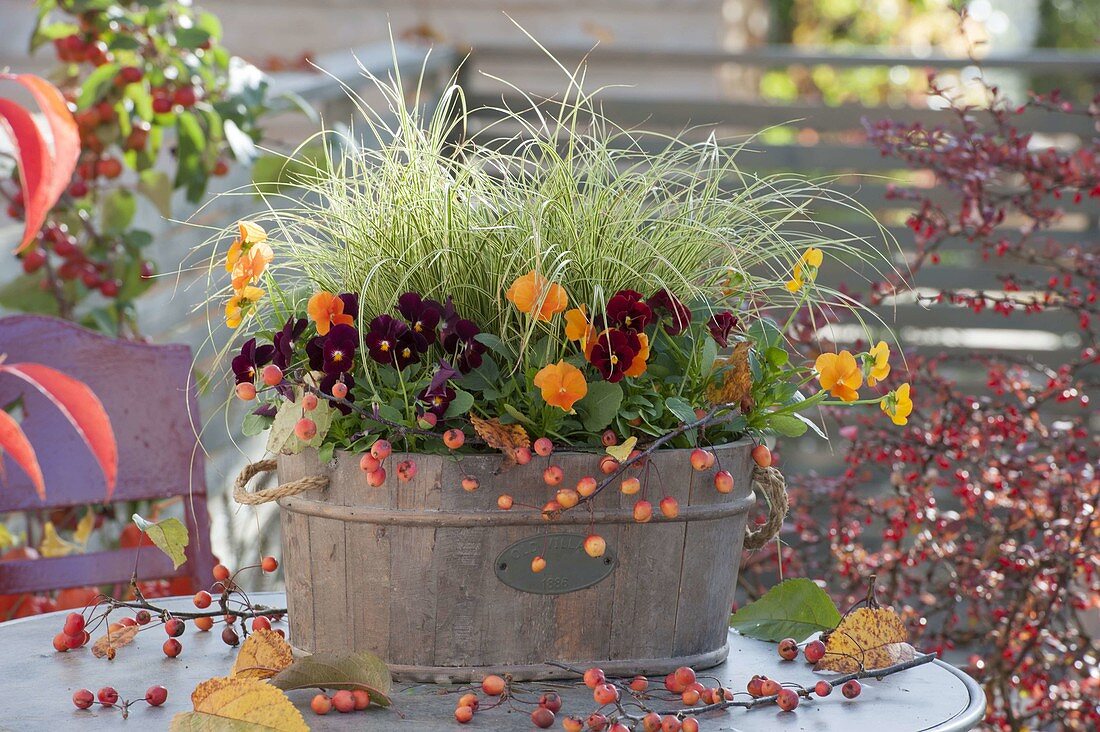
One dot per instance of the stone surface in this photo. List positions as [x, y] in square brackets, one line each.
[39, 682]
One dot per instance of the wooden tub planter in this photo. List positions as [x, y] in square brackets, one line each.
[437, 580]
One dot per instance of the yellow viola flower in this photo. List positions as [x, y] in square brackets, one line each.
[239, 305]
[526, 292]
[805, 269]
[251, 264]
[840, 374]
[878, 363]
[562, 385]
[250, 234]
[898, 405]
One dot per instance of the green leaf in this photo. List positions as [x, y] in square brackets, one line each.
[600, 405]
[460, 404]
[190, 173]
[495, 344]
[338, 671]
[191, 38]
[157, 187]
[209, 23]
[119, 207]
[254, 424]
[795, 608]
[170, 536]
[281, 438]
[98, 82]
[681, 409]
[786, 425]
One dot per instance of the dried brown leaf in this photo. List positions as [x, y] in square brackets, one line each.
[239, 704]
[732, 380]
[508, 438]
[866, 639]
[263, 654]
[105, 645]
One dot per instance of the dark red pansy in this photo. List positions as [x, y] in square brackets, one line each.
[285, 340]
[315, 352]
[250, 360]
[461, 344]
[339, 349]
[627, 310]
[613, 352]
[423, 316]
[721, 325]
[676, 315]
[390, 341]
[351, 304]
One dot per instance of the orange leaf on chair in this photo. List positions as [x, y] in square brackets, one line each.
[14, 441]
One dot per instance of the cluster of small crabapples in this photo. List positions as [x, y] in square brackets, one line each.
[233, 606]
[108, 697]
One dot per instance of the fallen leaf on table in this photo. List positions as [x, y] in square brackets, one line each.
[795, 608]
[233, 704]
[263, 654]
[339, 671]
[866, 639]
[106, 644]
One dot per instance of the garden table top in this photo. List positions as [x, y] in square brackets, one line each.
[38, 684]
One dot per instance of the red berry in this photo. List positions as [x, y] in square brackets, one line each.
[470, 483]
[376, 478]
[543, 447]
[643, 511]
[670, 723]
[34, 260]
[406, 470]
[608, 465]
[78, 189]
[823, 688]
[272, 375]
[463, 714]
[220, 167]
[74, 624]
[814, 651]
[269, 564]
[651, 722]
[550, 700]
[246, 391]
[156, 695]
[305, 429]
[202, 599]
[595, 546]
[685, 676]
[586, 486]
[690, 724]
[321, 704]
[523, 456]
[362, 699]
[593, 677]
[130, 74]
[143, 617]
[701, 459]
[221, 572]
[670, 507]
[109, 168]
[381, 449]
[260, 623]
[605, 694]
[343, 701]
[788, 649]
[762, 455]
[538, 564]
[755, 686]
[723, 481]
[339, 390]
[609, 438]
[596, 722]
[851, 689]
[469, 700]
[309, 402]
[504, 502]
[229, 636]
[172, 648]
[542, 718]
[109, 288]
[83, 698]
[369, 463]
[185, 96]
[770, 687]
[639, 683]
[572, 724]
[162, 105]
[492, 685]
[61, 642]
[553, 475]
[787, 700]
[174, 627]
[630, 486]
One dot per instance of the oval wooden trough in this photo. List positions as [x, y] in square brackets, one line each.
[436, 580]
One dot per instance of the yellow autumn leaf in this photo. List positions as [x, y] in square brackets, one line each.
[106, 645]
[732, 379]
[263, 654]
[866, 639]
[622, 451]
[234, 703]
[84, 529]
[7, 539]
[508, 438]
[53, 545]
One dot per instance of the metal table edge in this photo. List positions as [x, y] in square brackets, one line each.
[972, 715]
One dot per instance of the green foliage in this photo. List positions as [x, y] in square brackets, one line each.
[794, 608]
[169, 535]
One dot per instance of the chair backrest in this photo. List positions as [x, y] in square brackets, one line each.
[149, 394]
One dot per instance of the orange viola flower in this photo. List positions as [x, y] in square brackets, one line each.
[240, 304]
[250, 235]
[327, 310]
[527, 292]
[840, 374]
[577, 328]
[562, 385]
[251, 264]
[639, 365]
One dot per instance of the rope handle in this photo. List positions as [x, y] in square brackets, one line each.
[766, 482]
[242, 495]
[769, 484]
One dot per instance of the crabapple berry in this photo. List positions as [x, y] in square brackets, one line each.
[381, 449]
[61, 642]
[543, 446]
[369, 463]
[321, 704]
[596, 722]
[469, 700]
[309, 402]
[609, 438]
[221, 572]
[542, 718]
[586, 486]
[427, 420]
[630, 486]
[670, 507]
[246, 392]
[762, 455]
[553, 475]
[172, 648]
[339, 390]
[814, 651]
[305, 429]
[538, 564]
[851, 689]
[673, 685]
[550, 510]
[618, 727]
[74, 624]
[523, 456]
[269, 564]
[787, 700]
[550, 700]
[156, 695]
[204, 624]
[770, 687]
[362, 699]
[608, 465]
[454, 438]
[127, 622]
[605, 694]
[572, 724]
[639, 683]
[788, 649]
[470, 483]
[83, 698]
[651, 722]
[260, 623]
[723, 481]
[593, 677]
[670, 723]
[143, 617]
[463, 714]
[690, 697]
[492, 685]
[174, 627]
[643, 511]
[376, 478]
[343, 701]
[755, 686]
[567, 497]
[685, 676]
[595, 546]
[690, 724]
[701, 459]
[504, 502]
[406, 470]
[202, 599]
[273, 375]
[823, 688]
[229, 636]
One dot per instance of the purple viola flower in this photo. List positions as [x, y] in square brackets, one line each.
[423, 316]
[667, 305]
[285, 340]
[627, 310]
[437, 396]
[250, 360]
[614, 352]
[315, 352]
[338, 350]
[720, 326]
[390, 341]
[460, 343]
[330, 381]
[351, 304]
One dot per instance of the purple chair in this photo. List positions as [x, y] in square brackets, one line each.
[150, 396]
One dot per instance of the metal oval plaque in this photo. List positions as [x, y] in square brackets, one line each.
[568, 567]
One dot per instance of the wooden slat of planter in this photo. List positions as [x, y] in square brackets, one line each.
[710, 565]
[654, 551]
[412, 571]
[328, 557]
[296, 566]
[367, 571]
